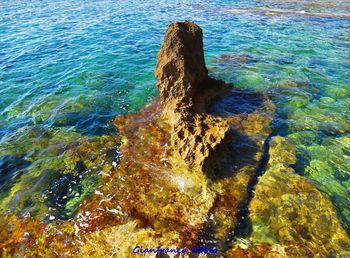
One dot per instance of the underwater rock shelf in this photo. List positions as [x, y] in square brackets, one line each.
[189, 162]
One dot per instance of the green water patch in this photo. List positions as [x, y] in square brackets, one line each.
[316, 119]
[327, 162]
[320, 130]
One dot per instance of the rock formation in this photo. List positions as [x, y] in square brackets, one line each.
[181, 67]
[184, 83]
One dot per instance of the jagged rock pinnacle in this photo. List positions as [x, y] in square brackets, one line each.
[181, 66]
[184, 85]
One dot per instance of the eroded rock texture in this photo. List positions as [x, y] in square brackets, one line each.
[184, 83]
[181, 67]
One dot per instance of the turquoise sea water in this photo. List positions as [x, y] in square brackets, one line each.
[67, 68]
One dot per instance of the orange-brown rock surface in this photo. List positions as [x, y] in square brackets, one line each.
[183, 83]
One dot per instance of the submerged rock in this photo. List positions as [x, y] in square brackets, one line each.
[235, 59]
[327, 162]
[288, 210]
[61, 168]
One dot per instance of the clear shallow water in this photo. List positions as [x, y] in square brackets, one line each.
[68, 68]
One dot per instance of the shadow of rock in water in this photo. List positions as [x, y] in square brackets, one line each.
[236, 162]
[234, 152]
[234, 102]
[237, 150]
